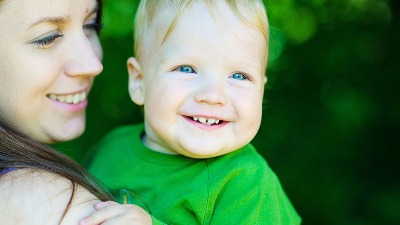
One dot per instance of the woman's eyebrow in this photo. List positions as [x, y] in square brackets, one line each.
[57, 19]
[94, 10]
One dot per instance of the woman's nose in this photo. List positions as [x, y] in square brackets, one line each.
[85, 58]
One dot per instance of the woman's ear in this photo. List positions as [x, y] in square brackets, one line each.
[265, 79]
[135, 81]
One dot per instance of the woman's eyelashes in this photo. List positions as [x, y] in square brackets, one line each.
[90, 28]
[47, 40]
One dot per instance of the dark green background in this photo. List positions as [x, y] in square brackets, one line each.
[330, 128]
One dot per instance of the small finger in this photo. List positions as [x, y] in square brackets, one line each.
[122, 221]
[101, 205]
[126, 219]
[100, 216]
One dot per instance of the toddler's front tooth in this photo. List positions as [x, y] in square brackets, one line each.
[210, 121]
[202, 120]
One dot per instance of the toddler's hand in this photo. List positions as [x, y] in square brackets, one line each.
[112, 213]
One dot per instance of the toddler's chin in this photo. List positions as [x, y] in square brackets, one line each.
[203, 151]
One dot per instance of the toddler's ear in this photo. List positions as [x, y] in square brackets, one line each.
[135, 81]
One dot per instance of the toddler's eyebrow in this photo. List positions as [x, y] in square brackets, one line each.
[249, 64]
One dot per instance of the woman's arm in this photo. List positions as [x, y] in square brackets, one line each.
[38, 197]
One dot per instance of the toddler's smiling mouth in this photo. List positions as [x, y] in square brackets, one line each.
[206, 121]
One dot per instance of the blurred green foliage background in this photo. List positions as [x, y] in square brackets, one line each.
[331, 120]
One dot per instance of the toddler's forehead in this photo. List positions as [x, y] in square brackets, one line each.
[166, 18]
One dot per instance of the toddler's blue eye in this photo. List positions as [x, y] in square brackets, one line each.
[239, 76]
[186, 69]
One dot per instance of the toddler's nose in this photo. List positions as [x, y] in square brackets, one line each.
[211, 91]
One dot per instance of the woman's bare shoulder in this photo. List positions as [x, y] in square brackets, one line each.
[38, 197]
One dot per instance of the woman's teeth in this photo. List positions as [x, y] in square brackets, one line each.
[69, 99]
[203, 120]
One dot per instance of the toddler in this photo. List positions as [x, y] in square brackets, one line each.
[199, 72]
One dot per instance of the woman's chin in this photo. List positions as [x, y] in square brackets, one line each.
[64, 135]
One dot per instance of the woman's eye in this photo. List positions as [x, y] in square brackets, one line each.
[46, 41]
[239, 76]
[92, 27]
[186, 69]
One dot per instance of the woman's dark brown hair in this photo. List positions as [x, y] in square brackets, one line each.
[19, 152]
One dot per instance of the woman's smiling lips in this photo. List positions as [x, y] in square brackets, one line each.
[69, 98]
[72, 102]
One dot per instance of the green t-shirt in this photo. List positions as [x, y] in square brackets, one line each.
[236, 188]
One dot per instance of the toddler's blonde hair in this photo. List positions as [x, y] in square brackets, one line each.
[166, 14]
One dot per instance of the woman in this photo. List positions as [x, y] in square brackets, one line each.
[49, 55]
